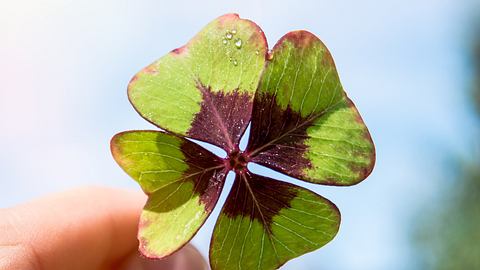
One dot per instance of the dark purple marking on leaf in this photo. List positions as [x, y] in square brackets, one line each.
[277, 136]
[277, 139]
[208, 173]
[223, 118]
[258, 197]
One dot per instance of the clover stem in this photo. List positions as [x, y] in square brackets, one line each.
[237, 161]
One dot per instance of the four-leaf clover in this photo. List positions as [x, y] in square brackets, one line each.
[302, 125]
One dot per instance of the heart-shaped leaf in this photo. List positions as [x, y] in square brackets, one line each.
[205, 89]
[183, 181]
[266, 222]
[303, 124]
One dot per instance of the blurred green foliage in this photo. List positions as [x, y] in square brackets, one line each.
[450, 238]
[449, 234]
[476, 73]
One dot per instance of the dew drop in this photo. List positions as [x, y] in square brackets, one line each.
[233, 31]
[238, 43]
[234, 62]
[228, 35]
[257, 52]
[224, 41]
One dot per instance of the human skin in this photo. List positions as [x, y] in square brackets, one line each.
[84, 228]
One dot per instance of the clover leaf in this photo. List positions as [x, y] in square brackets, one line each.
[302, 124]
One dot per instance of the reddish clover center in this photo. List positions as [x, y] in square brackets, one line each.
[237, 161]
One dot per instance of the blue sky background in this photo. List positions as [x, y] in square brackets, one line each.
[64, 67]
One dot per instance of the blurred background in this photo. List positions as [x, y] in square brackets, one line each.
[411, 67]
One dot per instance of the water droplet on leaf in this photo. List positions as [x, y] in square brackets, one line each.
[224, 41]
[238, 43]
[257, 52]
[229, 35]
[233, 31]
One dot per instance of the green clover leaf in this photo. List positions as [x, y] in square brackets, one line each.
[302, 124]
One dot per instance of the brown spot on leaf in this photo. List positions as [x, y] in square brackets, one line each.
[132, 80]
[180, 50]
[258, 197]
[300, 39]
[150, 69]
